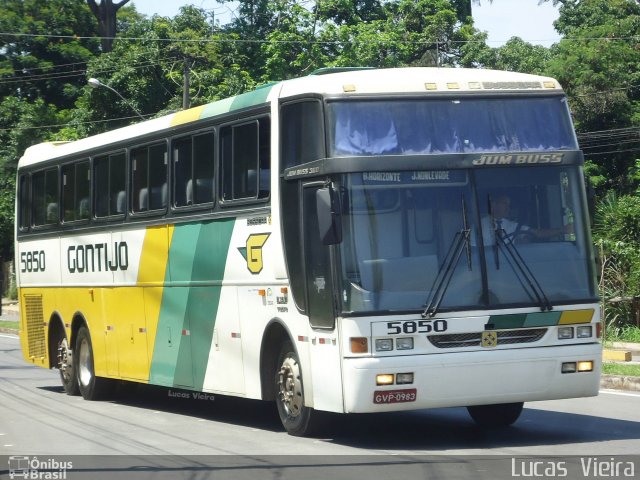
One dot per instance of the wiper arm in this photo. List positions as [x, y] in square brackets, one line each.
[518, 265]
[460, 242]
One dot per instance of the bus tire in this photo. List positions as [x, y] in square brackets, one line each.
[66, 368]
[297, 419]
[496, 416]
[90, 386]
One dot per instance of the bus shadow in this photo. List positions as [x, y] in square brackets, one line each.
[452, 429]
[430, 430]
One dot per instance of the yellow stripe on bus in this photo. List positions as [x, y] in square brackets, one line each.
[576, 316]
[186, 116]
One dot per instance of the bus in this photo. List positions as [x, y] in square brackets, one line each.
[329, 243]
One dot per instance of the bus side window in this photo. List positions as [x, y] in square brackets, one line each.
[246, 160]
[24, 203]
[45, 197]
[302, 138]
[149, 177]
[193, 163]
[109, 173]
[75, 191]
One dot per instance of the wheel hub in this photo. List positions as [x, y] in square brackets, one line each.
[65, 360]
[290, 387]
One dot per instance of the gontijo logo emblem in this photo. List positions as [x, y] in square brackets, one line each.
[252, 253]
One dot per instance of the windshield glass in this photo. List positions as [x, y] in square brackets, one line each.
[399, 228]
[464, 125]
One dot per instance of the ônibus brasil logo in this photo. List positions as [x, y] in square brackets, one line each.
[36, 469]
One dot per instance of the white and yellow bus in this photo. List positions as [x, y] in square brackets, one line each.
[331, 243]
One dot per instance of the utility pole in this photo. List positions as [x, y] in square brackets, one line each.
[185, 88]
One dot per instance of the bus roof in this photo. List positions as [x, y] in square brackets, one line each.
[343, 81]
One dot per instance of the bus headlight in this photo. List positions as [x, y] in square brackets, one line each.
[384, 344]
[565, 333]
[404, 343]
[584, 331]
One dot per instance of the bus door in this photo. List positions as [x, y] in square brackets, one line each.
[325, 358]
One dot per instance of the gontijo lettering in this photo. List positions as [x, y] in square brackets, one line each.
[98, 257]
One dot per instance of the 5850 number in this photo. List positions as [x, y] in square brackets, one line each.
[32, 261]
[421, 326]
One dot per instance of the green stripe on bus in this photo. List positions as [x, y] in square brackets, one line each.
[523, 320]
[542, 319]
[500, 322]
[198, 253]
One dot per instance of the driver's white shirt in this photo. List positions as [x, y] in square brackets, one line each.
[489, 226]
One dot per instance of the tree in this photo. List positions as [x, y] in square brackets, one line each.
[105, 12]
[597, 64]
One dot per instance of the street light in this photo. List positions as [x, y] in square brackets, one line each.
[95, 83]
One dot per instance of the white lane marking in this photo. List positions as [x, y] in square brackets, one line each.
[624, 394]
[8, 336]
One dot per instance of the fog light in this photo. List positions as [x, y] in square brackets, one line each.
[359, 344]
[404, 343]
[384, 379]
[583, 332]
[585, 366]
[569, 367]
[565, 333]
[404, 378]
[384, 345]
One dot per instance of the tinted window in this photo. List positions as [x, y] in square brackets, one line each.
[245, 153]
[45, 197]
[110, 185]
[75, 191]
[149, 176]
[302, 133]
[193, 163]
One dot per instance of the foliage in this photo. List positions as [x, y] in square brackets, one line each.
[617, 235]
[597, 63]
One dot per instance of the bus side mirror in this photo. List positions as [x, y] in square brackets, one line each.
[328, 209]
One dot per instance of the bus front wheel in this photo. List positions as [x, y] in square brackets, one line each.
[496, 416]
[296, 418]
[90, 386]
[65, 366]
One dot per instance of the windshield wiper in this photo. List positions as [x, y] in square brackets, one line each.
[461, 241]
[521, 269]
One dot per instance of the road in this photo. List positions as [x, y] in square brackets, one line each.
[37, 418]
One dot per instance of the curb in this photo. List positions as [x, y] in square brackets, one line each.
[12, 331]
[620, 382]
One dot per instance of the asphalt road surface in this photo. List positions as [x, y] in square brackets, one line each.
[38, 419]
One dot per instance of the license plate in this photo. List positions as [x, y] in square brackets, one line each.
[395, 396]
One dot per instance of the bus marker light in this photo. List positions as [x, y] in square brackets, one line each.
[262, 293]
[569, 367]
[284, 290]
[384, 379]
[404, 378]
[584, 331]
[348, 88]
[384, 344]
[404, 343]
[431, 86]
[549, 84]
[585, 366]
[359, 345]
[564, 333]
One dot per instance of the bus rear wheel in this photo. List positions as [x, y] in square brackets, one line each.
[296, 418]
[90, 386]
[496, 416]
[65, 366]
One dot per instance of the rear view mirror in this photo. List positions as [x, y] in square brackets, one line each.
[328, 209]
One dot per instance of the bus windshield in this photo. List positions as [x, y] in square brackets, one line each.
[515, 236]
[462, 125]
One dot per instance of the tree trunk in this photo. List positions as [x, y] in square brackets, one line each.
[105, 12]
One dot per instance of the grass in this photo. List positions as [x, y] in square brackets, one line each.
[626, 333]
[621, 369]
[8, 324]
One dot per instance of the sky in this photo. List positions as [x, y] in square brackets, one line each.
[502, 19]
